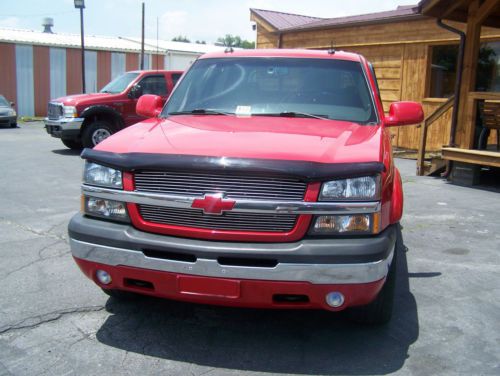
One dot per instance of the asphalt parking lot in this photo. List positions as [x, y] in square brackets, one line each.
[55, 321]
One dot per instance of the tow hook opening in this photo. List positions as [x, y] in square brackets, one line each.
[290, 299]
[137, 283]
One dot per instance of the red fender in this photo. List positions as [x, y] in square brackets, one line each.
[397, 198]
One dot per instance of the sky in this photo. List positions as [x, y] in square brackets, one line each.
[196, 19]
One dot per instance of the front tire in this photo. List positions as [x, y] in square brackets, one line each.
[379, 311]
[72, 144]
[96, 132]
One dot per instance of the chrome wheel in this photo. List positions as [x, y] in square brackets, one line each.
[99, 135]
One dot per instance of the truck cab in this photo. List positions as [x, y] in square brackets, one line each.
[84, 120]
[266, 180]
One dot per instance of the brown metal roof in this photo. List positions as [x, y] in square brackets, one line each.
[457, 11]
[281, 20]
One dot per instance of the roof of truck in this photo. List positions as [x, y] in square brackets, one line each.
[292, 53]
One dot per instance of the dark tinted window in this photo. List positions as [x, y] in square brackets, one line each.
[175, 78]
[120, 83]
[154, 85]
[333, 89]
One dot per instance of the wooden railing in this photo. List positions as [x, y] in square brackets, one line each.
[440, 111]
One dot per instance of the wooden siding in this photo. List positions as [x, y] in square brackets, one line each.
[400, 53]
[73, 71]
[103, 68]
[41, 78]
[8, 71]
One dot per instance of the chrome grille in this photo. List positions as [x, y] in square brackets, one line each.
[227, 221]
[54, 111]
[257, 187]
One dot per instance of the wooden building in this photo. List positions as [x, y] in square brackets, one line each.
[414, 58]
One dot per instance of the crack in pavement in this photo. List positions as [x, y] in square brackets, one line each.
[39, 259]
[33, 231]
[46, 318]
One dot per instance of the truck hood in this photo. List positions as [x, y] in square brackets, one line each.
[314, 140]
[82, 99]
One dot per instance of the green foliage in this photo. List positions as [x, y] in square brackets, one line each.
[235, 41]
[181, 38]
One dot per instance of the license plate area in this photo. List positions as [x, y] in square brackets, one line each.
[215, 287]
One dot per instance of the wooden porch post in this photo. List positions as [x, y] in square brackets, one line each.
[466, 112]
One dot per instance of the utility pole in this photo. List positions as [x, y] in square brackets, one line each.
[80, 4]
[142, 39]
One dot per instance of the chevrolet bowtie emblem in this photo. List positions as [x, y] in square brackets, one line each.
[213, 204]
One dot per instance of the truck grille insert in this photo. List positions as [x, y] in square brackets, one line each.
[54, 111]
[232, 186]
[227, 221]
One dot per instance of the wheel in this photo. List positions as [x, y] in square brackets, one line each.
[379, 311]
[13, 125]
[72, 144]
[96, 132]
[120, 295]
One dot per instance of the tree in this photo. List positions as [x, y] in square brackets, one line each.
[181, 38]
[235, 41]
[200, 42]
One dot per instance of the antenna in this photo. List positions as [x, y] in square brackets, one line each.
[156, 42]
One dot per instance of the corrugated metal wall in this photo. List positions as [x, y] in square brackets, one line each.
[178, 60]
[147, 61]
[25, 83]
[8, 71]
[103, 68]
[41, 76]
[90, 71]
[117, 64]
[57, 72]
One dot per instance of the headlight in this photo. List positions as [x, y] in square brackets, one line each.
[12, 112]
[363, 188]
[109, 209]
[69, 111]
[354, 224]
[95, 174]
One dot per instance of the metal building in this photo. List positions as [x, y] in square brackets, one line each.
[38, 66]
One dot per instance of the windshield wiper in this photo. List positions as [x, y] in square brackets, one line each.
[201, 111]
[295, 114]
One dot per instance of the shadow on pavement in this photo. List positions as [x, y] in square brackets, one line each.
[67, 151]
[300, 342]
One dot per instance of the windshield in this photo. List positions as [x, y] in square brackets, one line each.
[3, 101]
[119, 84]
[323, 88]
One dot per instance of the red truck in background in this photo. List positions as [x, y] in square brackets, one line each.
[87, 119]
[267, 180]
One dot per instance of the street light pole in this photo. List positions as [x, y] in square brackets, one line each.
[80, 4]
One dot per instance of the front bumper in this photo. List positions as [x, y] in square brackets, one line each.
[230, 273]
[67, 128]
[8, 120]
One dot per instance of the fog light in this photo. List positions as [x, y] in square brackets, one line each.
[103, 277]
[334, 299]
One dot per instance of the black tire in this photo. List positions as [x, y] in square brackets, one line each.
[96, 132]
[72, 144]
[379, 311]
[13, 125]
[120, 295]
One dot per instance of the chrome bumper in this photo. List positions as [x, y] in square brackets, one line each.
[345, 273]
[56, 128]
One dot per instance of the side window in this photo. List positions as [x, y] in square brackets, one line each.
[154, 85]
[175, 78]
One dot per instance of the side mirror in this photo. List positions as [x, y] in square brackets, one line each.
[12, 104]
[135, 92]
[149, 106]
[404, 113]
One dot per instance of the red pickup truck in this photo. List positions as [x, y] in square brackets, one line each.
[266, 180]
[87, 119]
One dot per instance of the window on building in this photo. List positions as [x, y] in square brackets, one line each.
[444, 69]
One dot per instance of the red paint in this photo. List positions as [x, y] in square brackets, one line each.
[404, 113]
[149, 106]
[231, 292]
[397, 199]
[297, 233]
[41, 79]
[282, 52]
[213, 204]
[8, 87]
